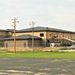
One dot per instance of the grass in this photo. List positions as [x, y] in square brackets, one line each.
[38, 54]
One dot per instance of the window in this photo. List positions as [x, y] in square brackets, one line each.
[41, 34]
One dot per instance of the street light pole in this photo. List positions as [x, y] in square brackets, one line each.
[32, 23]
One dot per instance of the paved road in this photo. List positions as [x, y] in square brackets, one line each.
[36, 66]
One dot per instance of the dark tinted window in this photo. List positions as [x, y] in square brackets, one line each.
[41, 34]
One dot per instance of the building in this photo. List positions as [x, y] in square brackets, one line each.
[4, 34]
[23, 41]
[46, 36]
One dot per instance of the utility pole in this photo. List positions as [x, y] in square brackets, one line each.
[14, 21]
[32, 24]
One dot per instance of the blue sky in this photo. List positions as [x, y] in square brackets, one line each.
[48, 13]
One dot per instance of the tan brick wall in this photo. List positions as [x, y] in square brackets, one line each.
[9, 34]
[19, 43]
[67, 35]
[22, 43]
[50, 36]
[37, 43]
[4, 34]
[35, 34]
[30, 33]
[73, 36]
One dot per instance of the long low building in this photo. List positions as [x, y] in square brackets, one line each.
[23, 41]
[45, 37]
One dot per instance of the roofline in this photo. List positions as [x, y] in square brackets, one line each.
[4, 30]
[46, 31]
[23, 39]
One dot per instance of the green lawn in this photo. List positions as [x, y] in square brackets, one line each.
[38, 54]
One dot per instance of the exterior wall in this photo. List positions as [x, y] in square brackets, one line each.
[5, 34]
[22, 43]
[60, 38]
[60, 34]
[9, 33]
[19, 43]
[35, 34]
[73, 36]
[48, 36]
[30, 33]
[37, 43]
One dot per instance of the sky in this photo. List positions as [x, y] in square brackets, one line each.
[46, 13]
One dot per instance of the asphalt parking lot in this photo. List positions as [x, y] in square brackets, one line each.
[36, 66]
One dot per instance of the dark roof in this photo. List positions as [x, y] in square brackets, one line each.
[11, 30]
[23, 37]
[43, 29]
[2, 30]
[7, 30]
